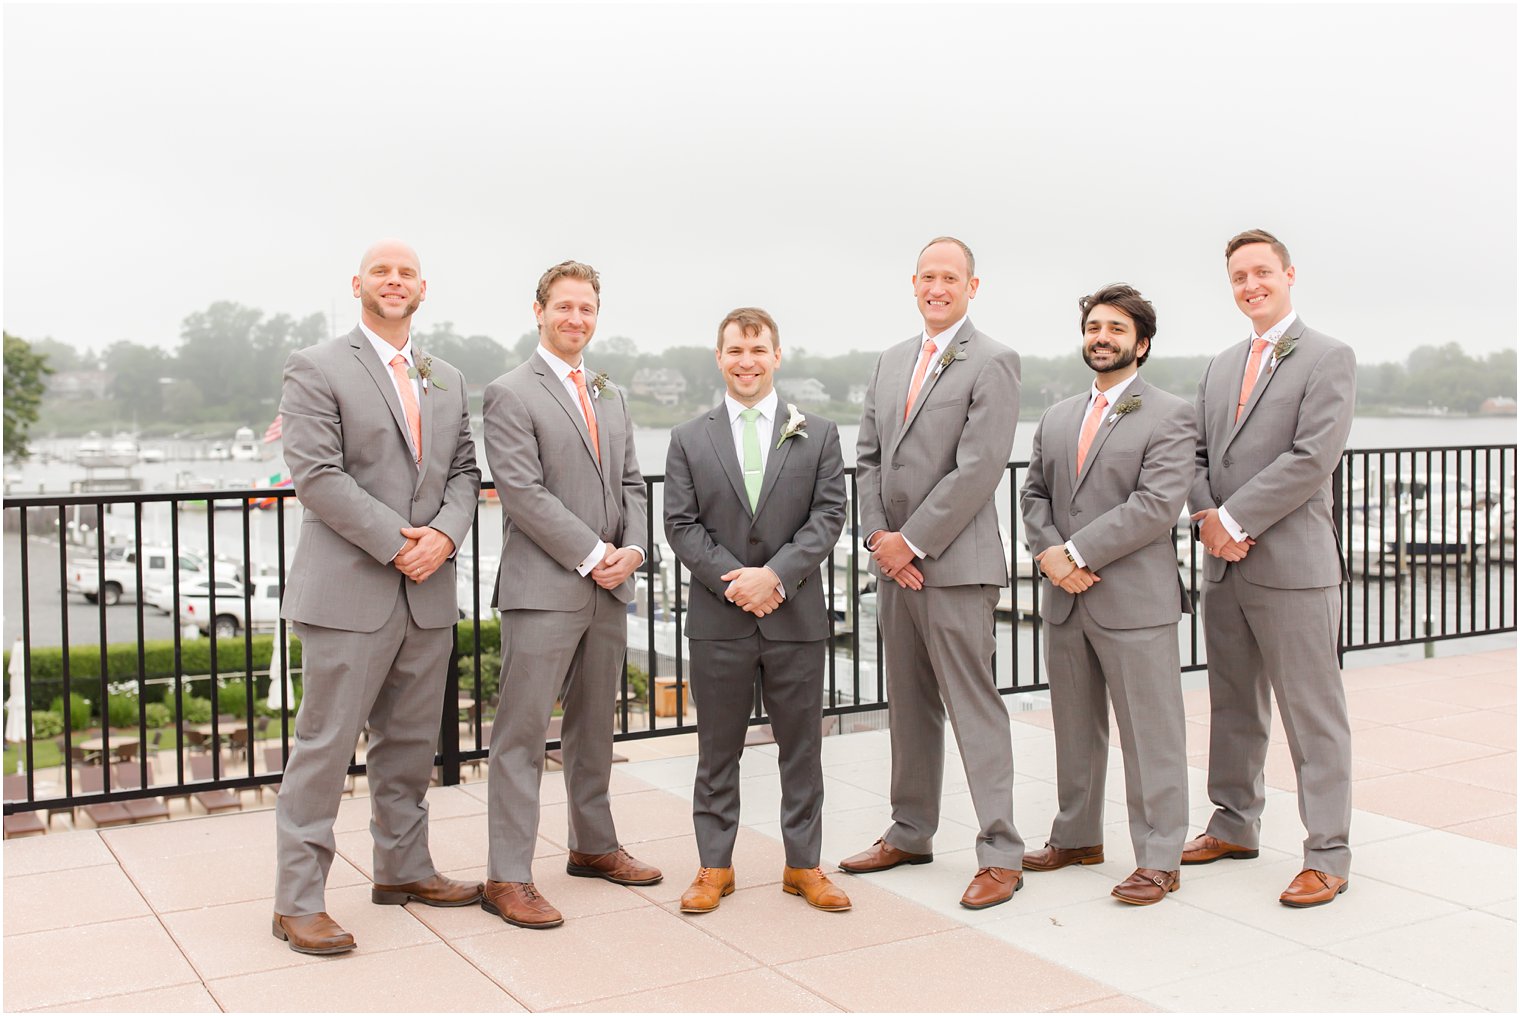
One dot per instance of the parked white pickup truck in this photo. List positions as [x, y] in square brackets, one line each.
[121, 572]
[228, 618]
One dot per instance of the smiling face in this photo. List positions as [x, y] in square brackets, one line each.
[943, 286]
[748, 362]
[567, 320]
[1110, 342]
[389, 285]
[1262, 284]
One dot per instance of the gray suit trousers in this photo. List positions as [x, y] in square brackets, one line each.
[577, 657]
[790, 674]
[939, 645]
[1260, 637]
[392, 680]
[1142, 672]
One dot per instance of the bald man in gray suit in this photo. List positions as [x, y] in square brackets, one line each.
[1273, 415]
[377, 438]
[1108, 477]
[934, 440]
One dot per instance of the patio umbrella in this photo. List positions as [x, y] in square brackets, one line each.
[15, 702]
[281, 690]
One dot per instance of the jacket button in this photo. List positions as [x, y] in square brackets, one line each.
[897, 465]
[1218, 501]
[801, 583]
[754, 539]
[1227, 460]
[1076, 511]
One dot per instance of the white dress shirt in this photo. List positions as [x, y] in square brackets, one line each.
[387, 352]
[1267, 362]
[765, 425]
[1113, 395]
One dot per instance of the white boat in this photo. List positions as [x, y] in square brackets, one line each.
[245, 447]
[94, 452]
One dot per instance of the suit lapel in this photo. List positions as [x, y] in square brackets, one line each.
[381, 375]
[425, 406]
[1268, 372]
[1111, 421]
[931, 374]
[720, 432]
[603, 438]
[1070, 432]
[556, 389]
[778, 453]
[897, 375]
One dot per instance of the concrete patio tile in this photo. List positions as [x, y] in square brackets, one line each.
[647, 815]
[851, 832]
[182, 998]
[775, 927]
[939, 886]
[453, 842]
[425, 978]
[1306, 981]
[1410, 750]
[859, 747]
[1477, 949]
[1473, 694]
[1494, 772]
[1504, 909]
[1499, 829]
[760, 798]
[235, 938]
[1380, 678]
[60, 851]
[1492, 727]
[225, 875]
[1381, 707]
[679, 772]
[747, 991]
[1430, 800]
[32, 901]
[1113, 1003]
[598, 957]
[1442, 864]
[574, 897]
[757, 860]
[875, 775]
[953, 971]
[91, 962]
[1034, 805]
[208, 834]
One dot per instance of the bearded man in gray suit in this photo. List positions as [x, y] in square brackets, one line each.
[377, 438]
[934, 440]
[560, 445]
[1273, 416]
[754, 502]
[1108, 477]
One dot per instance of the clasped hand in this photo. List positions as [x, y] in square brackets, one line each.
[425, 549]
[1216, 539]
[895, 559]
[1063, 572]
[615, 567]
[757, 590]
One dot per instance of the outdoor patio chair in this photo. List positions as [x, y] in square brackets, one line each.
[89, 779]
[23, 823]
[212, 800]
[128, 776]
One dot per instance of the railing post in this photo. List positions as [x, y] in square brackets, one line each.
[448, 733]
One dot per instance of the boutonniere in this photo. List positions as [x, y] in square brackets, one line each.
[796, 424]
[1125, 407]
[424, 370]
[1283, 348]
[949, 356]
[598, 383]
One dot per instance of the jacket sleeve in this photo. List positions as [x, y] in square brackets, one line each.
[873, 511]
[1040, 531]
[811, 545]
[1201, 498]
[461, 491]
[693, 545]
[635, 493]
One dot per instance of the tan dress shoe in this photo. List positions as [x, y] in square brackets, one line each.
[435, 891]
[519, 903]
[1207, 849]
[316, 934]
[1053, 858]
[1313, 888]
[707, 890]
[991, 886]
[1146, 886]
[881, 856]
[618, 866]
[814, 886]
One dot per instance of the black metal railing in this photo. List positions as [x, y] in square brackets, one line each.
[1428, 537]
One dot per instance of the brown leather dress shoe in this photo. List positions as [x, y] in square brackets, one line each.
[1053, 858]
[435, 891]
[519, 903]
[707, 890]
[618, 866]
[814, 886]
[1207, 849]
[1146, 886]
[1313, 888]
[316, 934]
[881, 856]
[991, 886]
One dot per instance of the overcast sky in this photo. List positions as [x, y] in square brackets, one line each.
[158, 158]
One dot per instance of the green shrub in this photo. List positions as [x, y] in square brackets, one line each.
[122, 710]
[197, 709]
[79, 710]
[231, 699]
[490, 638]
[638, 683]
[46, 724]
[159, 715]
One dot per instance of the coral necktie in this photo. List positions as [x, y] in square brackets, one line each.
[1253, 368]
[580, 389]
[408, 403]
[1090, 429]
[918, 376]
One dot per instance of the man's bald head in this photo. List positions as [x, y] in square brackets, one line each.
[390, 247]
[389, 286]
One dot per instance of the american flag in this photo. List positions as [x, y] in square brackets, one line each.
[275, 430]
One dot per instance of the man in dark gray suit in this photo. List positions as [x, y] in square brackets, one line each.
[1273, 416]
[1108, 477]
[754, 502]
[377, 437]
[933, 445]
[560, 445]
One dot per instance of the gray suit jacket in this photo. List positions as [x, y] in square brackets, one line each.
[349, 450]
[1272, 469]
[932, 476]
[1119, 511]
[556, 501]
[793, 528]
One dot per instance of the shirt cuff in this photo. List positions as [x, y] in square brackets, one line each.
[592, 559]
[1071, 548]
[1231, 526]
[642, 556]
[873, 534]
[916, 552]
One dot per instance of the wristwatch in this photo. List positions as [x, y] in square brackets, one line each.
[1067, 551]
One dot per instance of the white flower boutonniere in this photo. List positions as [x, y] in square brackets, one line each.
[1282, 349]
[1124, 407]
[796, 424]
[424, 371]
[598, 383]
[949, 356]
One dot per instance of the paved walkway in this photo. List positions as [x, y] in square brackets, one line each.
[175, 916]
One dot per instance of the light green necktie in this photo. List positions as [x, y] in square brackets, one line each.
[754, 471]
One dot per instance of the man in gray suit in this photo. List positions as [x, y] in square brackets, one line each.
[377, 437]
[754, 502]
[934, 441]
[560, 445]
[1108, 477]
[1273, 416]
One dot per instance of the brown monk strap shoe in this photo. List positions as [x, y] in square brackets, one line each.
[814, 886]
[519, 903]
[1207, 849]
[991, 886]
[317, 934]
[618, 866]
[1053, 858]
[881, 856]
[435, 891]
[1312, 888]
[707, 890]
[1146, 886]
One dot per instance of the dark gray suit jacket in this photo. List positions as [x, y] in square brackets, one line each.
[793, 529]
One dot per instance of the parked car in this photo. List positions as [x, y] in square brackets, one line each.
[121, 573]
[229, 618]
